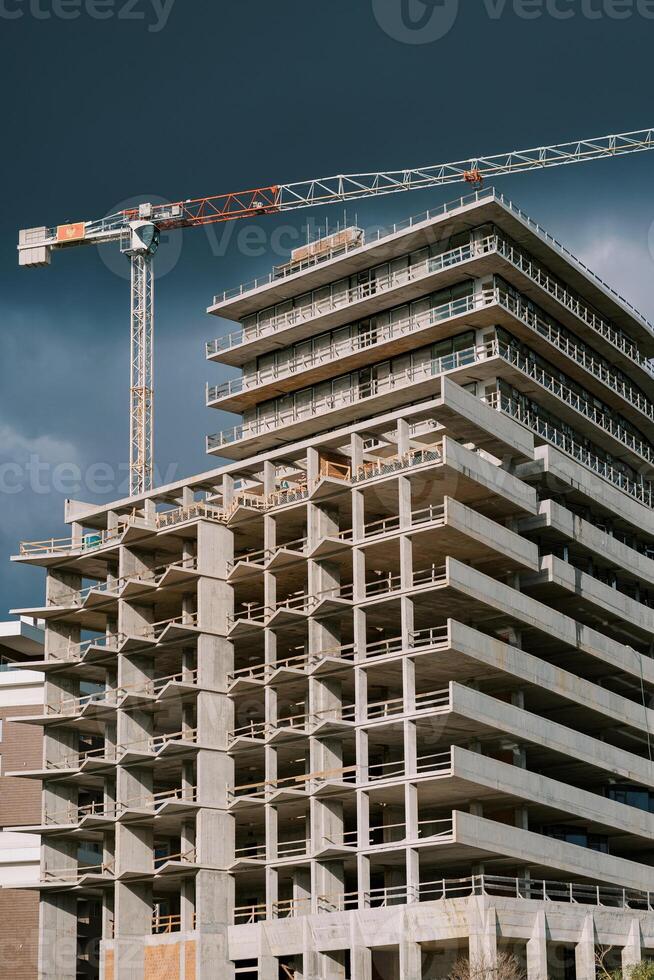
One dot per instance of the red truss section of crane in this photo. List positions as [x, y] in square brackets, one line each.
[224, 207]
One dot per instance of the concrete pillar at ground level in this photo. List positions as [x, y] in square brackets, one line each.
[482, 923]
[410, 961]
[585, 951]
[632, 950]
[58, 937]
[361, 960]
[537, 949]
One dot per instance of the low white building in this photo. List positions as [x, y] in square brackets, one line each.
[21, 641]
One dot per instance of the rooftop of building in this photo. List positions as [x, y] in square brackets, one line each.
[21, 639]
[349, 252]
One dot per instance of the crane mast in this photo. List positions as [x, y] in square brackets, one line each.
[137, 231]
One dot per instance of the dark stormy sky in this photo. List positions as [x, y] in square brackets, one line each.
[108, 101]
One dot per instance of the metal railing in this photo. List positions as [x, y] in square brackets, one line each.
[473, 355]
[363, 291]
[350, 396]
[154, 743]
[585, 407]
[301, 602]
[303, 782]
[111, 696]
[49, 875]
[184, 857]
[371, 238]
[169, 518]
[436, 636]
[439, 762]
[434, 514]
[77, 543]
[642, 492]
[152, 577]
[386, 467]
[396, 706]
[445, 889]
[265, 554]
[390, 582]
[155, 801]
[571, 302]
[538, 321]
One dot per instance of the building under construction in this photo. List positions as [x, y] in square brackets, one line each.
[376, 693]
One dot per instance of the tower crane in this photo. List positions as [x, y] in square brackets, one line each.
[137, 231]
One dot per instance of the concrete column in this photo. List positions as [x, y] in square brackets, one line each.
[187, 905]
[410, 748]
[361, 962]
[272, 892]
[585, 951]
[331, 966]
[412, 875]
[411, 811]
[632, 950]
[358, 575]
[482, 925]
[313, 467]
[363, 875]
[269, 532]
[133, 921]
[537, 949]
[359, 634]
[358, 514]
[268, 964]
[407, 620]
[410, 960]
[228, 491]
[404, 496]
[58, 937]
[409, 684]
[356, 452]
[214, 895]
[406, 562]
[363, 819]
[362, 758]
[403, 437]
[268, 478]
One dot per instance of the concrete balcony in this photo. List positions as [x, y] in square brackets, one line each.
[569, 588]
[476, 362]
[587, 481]
[561, 525]
[90, 606]
[466, 837]
[468, 589]
[454, 528]
[86, 548]
[352, 403]
[353, 304]
[474, 714]
[642, 492]
[492, 839]
[461, 774]
[238, 394]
